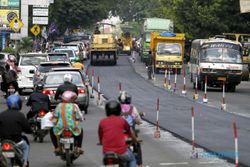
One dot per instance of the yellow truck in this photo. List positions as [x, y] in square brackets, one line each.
[167, 50]
[127, 42]
[103, 50]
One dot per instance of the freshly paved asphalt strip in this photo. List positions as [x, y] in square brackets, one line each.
[213, 128]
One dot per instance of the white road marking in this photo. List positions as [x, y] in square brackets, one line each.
[175, 163]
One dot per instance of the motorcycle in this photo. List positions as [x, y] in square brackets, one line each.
[12, 154]
[68, 149]
[111, 159]
[35, 124]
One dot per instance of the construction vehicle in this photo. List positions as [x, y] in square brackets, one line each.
[153, 25]
[167, 51]
[126, 42]
[103, 48]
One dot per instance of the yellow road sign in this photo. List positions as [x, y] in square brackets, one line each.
[15, 24]
[35, 29]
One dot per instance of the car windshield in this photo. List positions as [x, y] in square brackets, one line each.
[229, 54]
[32, 60]
[57, 78]
[70, 52]
[73, 47]
[169, 49]
[58, 57]
[43, 68]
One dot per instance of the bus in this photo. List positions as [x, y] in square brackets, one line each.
[217, 59]
[244, 39]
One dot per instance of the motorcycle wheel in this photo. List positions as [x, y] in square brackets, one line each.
[68, 158]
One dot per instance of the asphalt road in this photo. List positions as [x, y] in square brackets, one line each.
[213, 128]
[166, 151]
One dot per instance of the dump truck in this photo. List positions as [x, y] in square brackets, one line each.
[167, 51]
[153, 25]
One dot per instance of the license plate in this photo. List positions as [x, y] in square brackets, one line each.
[67, 140]
[9, 154]
[221, 79]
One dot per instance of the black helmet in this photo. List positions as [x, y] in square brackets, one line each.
[113, 107]
[39, 87]
[124, 98]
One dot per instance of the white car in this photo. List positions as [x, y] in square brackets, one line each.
[28, 64]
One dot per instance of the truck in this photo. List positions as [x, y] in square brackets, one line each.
[217, 62]
[103, 48]
[167, 51]
[153, 25]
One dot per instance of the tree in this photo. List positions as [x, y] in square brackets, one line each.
[79, 13]
[25, 45]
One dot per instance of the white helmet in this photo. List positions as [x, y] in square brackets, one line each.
[67, 77]
[12, 58]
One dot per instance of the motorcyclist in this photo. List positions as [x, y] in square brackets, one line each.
[67, 85]
[111, 134]
[10, 78]
[67, 115]
[13, 123]
[12, 63]
[132, 116]
[77, 64]
[38, 101]
[128, 109]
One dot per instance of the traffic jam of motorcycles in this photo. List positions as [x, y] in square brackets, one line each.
[124, 84]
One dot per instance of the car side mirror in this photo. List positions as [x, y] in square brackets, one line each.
[32, 71]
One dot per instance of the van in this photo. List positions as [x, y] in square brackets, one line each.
[28, 64]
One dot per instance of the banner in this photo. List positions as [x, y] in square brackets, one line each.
[244, 6]
[9, 3]
[7, 15]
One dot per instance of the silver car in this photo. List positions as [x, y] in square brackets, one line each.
[53, 79]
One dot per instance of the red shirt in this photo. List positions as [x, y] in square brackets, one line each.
[111, 134]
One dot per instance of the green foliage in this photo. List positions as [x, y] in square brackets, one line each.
[79, 13]
[9, 50]
[25, 45]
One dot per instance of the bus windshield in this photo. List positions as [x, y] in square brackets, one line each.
[221, 53]
[169, 49]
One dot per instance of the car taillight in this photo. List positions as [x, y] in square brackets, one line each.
[41, 113]
[110, 161]
[49, 92]
[66, 133]
[81, 90]
[6, 146]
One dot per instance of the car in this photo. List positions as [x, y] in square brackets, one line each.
[54, 78]
[28, 63]
[70, 52]
[45, 67]
[79, 49]
[59, 57]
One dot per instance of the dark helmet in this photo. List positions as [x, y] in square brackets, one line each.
[39, 87]
[124, 98]
[113, 107]
[14, 102]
